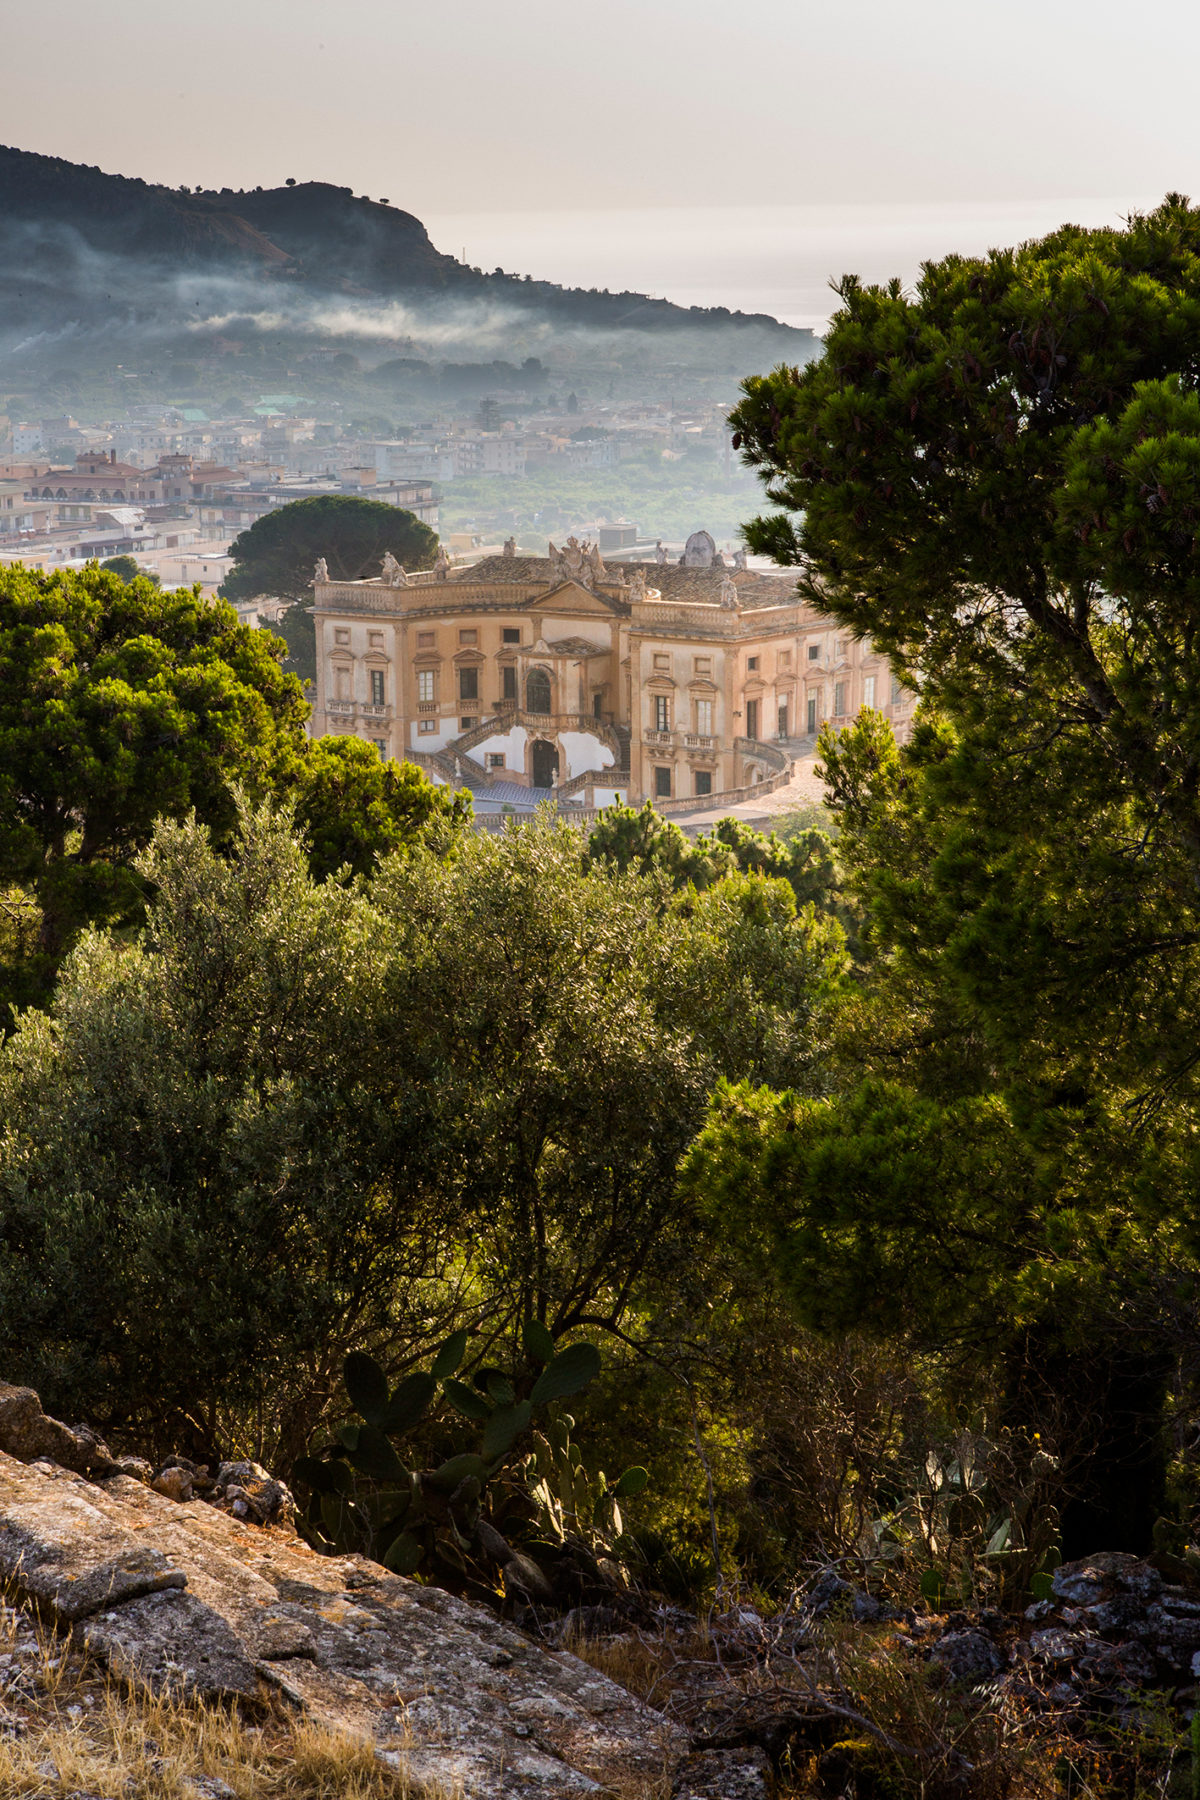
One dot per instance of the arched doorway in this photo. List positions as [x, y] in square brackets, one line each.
[545, 763]
[537, 691]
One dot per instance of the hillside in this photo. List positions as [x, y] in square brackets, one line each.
[84, 250]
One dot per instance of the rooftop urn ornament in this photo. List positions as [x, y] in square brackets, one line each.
[393, 574]
[510, 547]
[441, 567]
[321, 572]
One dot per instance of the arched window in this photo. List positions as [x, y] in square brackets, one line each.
[537, 691]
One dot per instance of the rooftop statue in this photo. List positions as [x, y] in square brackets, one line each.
[510, 546]
[391, 571]
[739, 559]
[637, 584]
[729, 593]
[442, 565]
[660, 552]
[321, 572]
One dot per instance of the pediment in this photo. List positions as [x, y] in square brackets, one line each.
[572, 595]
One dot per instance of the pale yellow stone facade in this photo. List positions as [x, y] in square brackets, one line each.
[676, 682]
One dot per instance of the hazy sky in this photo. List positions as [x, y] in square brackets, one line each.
[528, 105]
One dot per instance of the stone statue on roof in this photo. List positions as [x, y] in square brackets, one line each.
[510, 547]
[442, 566]
[594, 561]
[729, 593]
[637, 583]
[321, 572]
[660, 552]
[739, 559]
[393, 574]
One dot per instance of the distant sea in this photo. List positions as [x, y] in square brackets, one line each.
[777, 260]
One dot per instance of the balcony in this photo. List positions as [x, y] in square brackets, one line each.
[339, 706]
[694, 740]
[659, 737]
[427, 706]
[375, 712]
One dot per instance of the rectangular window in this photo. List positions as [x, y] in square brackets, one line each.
[425, 678]
[752, 718]
[508, 681]
[814, 653]
[341, 684]
[468, 684]
[868, 690]
[704, 781]
[512, 634]
[495, 759]
[598, 704]
[783, 718]
[813, 707]
[377, 688]
[704, 717]
[467, 724]
[426, 640]
[468, 637]
[839, 699]
[752, 662]
[425, 726]
[895, 690]
[662, 784]
[662, 713]
[381, 745]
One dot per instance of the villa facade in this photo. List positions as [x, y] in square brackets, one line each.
[675, 682]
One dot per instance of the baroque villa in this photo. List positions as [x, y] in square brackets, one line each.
[684, 683]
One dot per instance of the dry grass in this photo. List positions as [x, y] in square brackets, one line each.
[67, 1730]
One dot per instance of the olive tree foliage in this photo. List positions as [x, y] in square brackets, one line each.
[292, 1118]
[199, 1209]
[570, 1025]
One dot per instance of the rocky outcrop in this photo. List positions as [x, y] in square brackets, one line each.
[186, 1598]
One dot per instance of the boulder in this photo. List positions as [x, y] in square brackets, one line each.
[968, 1657]
[743, 1774]
[186, 1598]
[26, 1433]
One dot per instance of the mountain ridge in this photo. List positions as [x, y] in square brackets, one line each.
[72, 239]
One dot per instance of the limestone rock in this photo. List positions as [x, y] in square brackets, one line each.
[724, 1775]
[211, 1606]
[968, 1657]
[1104, 1576]
[26, 1434]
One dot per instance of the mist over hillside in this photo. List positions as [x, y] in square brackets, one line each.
[98, 269]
